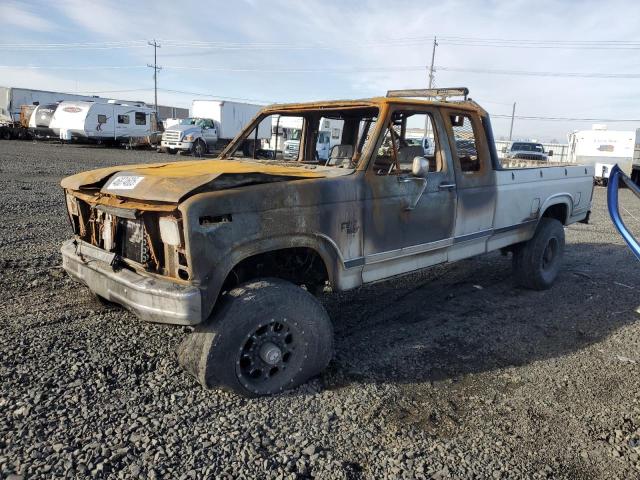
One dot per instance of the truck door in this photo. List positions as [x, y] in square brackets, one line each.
[209, 132]
[475, 183]
[408, 225]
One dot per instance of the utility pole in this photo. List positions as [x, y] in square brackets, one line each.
[427, 123]
[513, 115]
[156, 69]
[433, 57]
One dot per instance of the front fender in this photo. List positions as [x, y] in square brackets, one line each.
[615, 176]
[323, 245]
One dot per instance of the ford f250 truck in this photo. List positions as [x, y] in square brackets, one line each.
[239, 246]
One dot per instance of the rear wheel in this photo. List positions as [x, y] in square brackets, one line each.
[269, 336]
[536, 263]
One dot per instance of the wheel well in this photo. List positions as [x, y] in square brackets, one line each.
[299, 265]
[557, 211]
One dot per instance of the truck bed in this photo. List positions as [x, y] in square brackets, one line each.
[521, 194]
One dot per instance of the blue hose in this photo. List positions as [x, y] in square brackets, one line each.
[612, 203]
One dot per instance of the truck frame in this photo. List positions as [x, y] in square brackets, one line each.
[238, 246]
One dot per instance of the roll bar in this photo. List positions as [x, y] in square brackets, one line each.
[612, 204]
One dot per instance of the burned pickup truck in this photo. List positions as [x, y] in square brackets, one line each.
[240, 246]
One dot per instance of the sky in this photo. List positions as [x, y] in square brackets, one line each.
[285, 51]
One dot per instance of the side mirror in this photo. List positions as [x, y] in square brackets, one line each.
[550, 153]
[420, 167]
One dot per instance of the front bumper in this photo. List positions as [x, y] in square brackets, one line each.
[150, 298]
[176, 145]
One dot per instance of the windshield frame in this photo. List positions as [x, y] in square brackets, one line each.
[322, 112]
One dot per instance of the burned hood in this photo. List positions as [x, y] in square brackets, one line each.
[171, 182]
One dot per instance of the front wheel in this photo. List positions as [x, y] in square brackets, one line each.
[536, 263]
[268, 336]
[199, 149]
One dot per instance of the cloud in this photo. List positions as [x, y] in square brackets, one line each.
[367, 33]
[20, 16]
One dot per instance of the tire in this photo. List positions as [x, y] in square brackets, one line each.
[7, 135]
[536, 263]
[268, 336]
[199, 149]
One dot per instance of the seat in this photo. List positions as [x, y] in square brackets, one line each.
[407, 154]
[339, 154]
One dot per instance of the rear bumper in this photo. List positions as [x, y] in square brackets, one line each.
[150, 298]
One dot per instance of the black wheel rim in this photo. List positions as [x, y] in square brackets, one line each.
[549, 254]
[265, 356]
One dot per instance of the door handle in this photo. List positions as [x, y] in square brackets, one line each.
[446, 186]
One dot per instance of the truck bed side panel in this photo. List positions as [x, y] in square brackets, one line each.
[524, 195]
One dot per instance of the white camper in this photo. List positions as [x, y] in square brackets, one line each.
[40, 120]
[603, 148]
[103, 122]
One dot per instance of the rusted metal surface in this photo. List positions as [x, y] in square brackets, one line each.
[354, 219]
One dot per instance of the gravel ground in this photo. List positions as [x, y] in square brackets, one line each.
[451, 372]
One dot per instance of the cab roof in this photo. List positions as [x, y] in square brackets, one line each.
[378, 102]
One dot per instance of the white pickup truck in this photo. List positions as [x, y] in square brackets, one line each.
[172, 241]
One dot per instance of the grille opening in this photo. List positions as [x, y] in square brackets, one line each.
[135, 240]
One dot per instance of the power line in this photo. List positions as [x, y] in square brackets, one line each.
[570, 119]
[73, 46]
[272, 69]
[217, 97]
[116, 91]
[182, 92]
[452, 40]
[355, 69]
[72, 67]
[539, 74]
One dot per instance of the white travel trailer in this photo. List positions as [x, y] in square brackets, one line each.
[604, 148]
[40, 120]
[109, 122]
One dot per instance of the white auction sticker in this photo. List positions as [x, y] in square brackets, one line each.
[125, 182]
